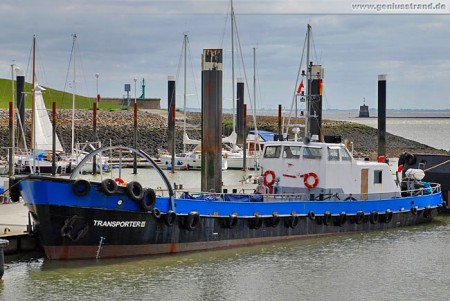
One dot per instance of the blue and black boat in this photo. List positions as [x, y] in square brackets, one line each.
[305, 190]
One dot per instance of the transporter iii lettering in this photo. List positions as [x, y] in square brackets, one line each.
[121, 224]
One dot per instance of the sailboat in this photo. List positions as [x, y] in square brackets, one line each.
[78, 150]
[44, 145]
[234, 153]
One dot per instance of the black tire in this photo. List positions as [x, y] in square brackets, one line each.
[156, 213]
[427, 212]
[170, 218]
[275, 220]
[255, 222]
[81, 187]
[109, 186]
[374, 217]
[411, 159]
[359, 217]
[148, 200]
[388, 216]
[135, 191]
[231, 221]
[312, 215]
[327, 218]
[291, 221]
[192, 221]
[414, 210]
[342, 219]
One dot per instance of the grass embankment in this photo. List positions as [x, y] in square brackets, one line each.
[63, 99]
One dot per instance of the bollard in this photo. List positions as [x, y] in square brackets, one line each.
[3, 243]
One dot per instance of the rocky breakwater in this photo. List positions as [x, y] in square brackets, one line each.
[113, 128]
[117, 128]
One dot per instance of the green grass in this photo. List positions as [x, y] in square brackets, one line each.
[63, 99]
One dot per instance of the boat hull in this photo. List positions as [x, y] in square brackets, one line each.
[93, 225]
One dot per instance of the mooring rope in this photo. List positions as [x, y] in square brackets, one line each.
[442, 163]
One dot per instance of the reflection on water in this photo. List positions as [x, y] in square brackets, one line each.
[403, 264]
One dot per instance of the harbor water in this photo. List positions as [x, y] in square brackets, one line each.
[402, 264]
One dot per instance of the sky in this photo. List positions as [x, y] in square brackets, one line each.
[142, 39]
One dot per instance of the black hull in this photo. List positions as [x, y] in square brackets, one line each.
[82, 233]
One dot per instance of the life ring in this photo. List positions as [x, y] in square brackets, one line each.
[327, 218]
[388, 216]
[374, 217]
[311, 215]
[148, 199]
[231, 221]
[359, 217]
[108, 186]
[81, 187]
[272, 180]
[170, 218]
[306, 178]
[135, 191]
[292, 221]
[156, 213]
[192, 220]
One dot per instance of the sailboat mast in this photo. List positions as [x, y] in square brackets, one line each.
[73, 95]
[33, 109]
[33, 85]
[184, 89]
[232, 64]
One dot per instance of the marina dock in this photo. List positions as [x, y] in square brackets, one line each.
[13, 227]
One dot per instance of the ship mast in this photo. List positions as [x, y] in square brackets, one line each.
[232, 64]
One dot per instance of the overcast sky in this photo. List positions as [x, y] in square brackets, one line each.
[126, 39]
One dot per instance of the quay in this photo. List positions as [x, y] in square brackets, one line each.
[15, 229]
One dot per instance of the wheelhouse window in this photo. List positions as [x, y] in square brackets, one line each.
[333, 153]
[310, 152]
[291, 152]
[377, 176]
[272, 151]
[345, 155]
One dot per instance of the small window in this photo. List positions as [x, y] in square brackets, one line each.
[345, 155]
[377, 176]
[333, 154]
[292, 152]
[272, 151]
[312, 152]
